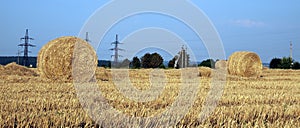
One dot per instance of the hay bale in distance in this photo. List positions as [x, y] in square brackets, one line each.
[205, 72]
[245, 64]
[67, 58]
[265, 68]
[1, 67]
[102, 74]
[15, 69]
[221, 64]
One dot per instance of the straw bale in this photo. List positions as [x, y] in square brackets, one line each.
[67, 58]
[265, 68]
[41, 57]
[221, 64]
[1, 67]
[205, 72]
[15, 69]
[245, 64]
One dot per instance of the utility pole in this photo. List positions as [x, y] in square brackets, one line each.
[19, 52]
[116, 49]
[291, 50]
[291, 53]
[87, 37]
[26, 44]
[185, 57]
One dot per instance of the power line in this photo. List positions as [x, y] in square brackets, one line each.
[291, 50]
[87, 37]
[26, 44]
[18, 53]
[116, 49]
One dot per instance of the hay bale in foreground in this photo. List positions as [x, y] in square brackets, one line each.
[67, 58]
[15, 69]
[205, 72]
[221, 64]
[41, 57]
[245, 64]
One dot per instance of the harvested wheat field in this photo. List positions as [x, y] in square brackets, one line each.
[272, 100]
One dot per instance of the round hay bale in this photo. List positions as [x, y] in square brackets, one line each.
[67, 58]
[245, 64]
[221, 64]
[41, 57]
[205, 72]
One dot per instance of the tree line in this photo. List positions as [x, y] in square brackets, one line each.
[284, 63]
[276, 63]
[148, 60]
[155, 60]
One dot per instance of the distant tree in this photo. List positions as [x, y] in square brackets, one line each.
[145, 60]
[125, 63]
[296, 65]
[156, 60]
[162, 66]
[275, 63]
[104, 66]
[136, 63]
[208, 63]
[286, 63]
[151, 60]
[171, 63]
[188, 59]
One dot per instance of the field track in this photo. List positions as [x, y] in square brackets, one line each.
[272, 100]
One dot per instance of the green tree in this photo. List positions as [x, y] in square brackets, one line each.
[286, 63]
[145, 60]
[162, 66]
[171, 63]
[156, 60]
[136, 63]
[208, 63]
[275, 63]
[151, 60]
[296, 65]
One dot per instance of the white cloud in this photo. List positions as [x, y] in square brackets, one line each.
[248, 23]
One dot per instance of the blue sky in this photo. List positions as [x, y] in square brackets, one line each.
[265, 27]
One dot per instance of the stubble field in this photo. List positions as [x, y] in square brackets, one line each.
[272, 100]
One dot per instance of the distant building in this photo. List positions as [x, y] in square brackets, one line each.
[182, 60]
